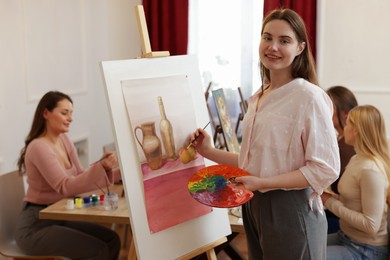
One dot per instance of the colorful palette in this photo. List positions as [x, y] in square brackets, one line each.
[211, 186]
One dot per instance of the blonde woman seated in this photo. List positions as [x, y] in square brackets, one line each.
[361, 205]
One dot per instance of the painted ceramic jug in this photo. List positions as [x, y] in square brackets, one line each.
[151, 144]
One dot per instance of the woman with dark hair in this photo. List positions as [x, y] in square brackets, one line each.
[289, 147]
[343, 101]
[53, 171]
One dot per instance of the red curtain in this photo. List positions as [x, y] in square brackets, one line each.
[307, 9]
[167, 22]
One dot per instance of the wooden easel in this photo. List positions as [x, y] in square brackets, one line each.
[148, 53]
[144, 35]
[244, 109]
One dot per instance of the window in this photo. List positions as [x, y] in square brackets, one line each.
[225, 34]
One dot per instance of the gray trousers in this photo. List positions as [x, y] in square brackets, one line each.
[280, 225]
[75, 240]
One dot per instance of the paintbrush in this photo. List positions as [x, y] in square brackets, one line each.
[188, 146]
[101, 159]
[108, 189]
[100, 188]
[105, 178]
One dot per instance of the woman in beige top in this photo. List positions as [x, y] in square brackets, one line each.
[361, 205]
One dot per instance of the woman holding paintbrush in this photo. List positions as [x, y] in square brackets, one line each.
[53, 171]
[288, 146]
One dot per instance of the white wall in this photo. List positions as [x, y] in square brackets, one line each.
[58, 44]
[353, 49]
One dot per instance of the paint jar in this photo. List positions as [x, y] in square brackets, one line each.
[101, 199]
[78, 203]
[74, 198]
[70, 204]
[94, 200]
[111, 201]
[87, 202]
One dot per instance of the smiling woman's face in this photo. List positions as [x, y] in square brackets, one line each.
[58, 120]
[279, 45]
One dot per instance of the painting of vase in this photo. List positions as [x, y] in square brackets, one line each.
[150, 144]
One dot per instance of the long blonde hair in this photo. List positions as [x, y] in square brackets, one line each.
[371, 139]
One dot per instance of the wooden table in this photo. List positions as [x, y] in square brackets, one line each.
[236, 224]
[97, 214]
[58, 211]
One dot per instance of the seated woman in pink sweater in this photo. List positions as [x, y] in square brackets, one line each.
[361, 205]
[53, 171]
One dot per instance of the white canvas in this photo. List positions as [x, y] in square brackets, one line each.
[188, 236]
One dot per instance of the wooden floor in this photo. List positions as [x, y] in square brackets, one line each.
[238, 243]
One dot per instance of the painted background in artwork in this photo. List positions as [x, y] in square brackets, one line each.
[168, 202]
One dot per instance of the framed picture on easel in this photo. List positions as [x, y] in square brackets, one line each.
[217, 131]
[226, 123]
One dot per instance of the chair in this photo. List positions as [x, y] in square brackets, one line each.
[11, 201]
